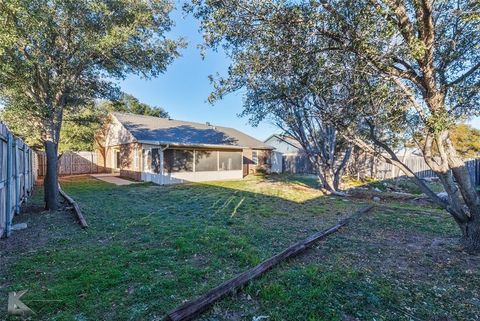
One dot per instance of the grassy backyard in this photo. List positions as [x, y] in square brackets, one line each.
[150, 248]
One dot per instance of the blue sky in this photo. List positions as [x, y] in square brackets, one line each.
[184, 88]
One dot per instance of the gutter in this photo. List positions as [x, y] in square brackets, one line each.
[151, 142]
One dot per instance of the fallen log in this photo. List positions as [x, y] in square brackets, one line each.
[192, 308]
[76, 208]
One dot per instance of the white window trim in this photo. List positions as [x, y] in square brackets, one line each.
[135, 158]
[255, 159]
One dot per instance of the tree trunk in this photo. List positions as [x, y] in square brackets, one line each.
[329, 180]
[462, 189]
[341, 168]
[471, 236]
[50, 182]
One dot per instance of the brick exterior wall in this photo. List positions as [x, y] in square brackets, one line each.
[130, 166]
[249, 167]
[135, 175]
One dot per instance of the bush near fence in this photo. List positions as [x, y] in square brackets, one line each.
[17, 177]
[375, 168]
[72, 163]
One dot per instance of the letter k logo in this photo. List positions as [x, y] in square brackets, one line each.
[17, 307]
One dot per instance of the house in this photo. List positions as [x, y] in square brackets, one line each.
[166, 151]
[290, 154]
[284, 144]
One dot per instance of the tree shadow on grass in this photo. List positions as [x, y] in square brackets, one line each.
[151, 247]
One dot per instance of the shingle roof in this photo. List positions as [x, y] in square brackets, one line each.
[176, 132]
[287, 139]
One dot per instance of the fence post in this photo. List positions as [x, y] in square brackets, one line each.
[477, 172]
[17, 175]
[8, 198]
[34, 169]
[25, 178]
[30, 169]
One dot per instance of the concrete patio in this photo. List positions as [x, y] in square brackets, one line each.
[113, 179]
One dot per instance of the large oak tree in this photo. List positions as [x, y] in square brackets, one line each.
[406, 69]
[59, 55]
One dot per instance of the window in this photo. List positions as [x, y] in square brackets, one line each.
[135, 158]
[230, 161]
[156, 160]
[178, 160]
[117, 159]
[206, 160]
[255, 157]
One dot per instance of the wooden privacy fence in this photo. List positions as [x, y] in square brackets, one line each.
[17, 176]
[299, 164]
[418, 165]
[72, 163]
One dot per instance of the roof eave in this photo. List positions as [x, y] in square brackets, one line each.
[154, 142]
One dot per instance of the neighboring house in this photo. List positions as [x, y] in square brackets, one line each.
[284, 144]
[166, 151]
[408, 152]
[291, 154]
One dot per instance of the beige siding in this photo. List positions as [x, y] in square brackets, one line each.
[117, 134]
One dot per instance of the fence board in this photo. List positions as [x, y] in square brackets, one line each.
[73, 163]
[296, 164]
[16, 177]
[299, 164]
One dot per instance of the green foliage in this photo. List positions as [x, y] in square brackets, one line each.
[78, 131]
[129, 104]
[369, 62]
[439, 121]
[384, 74]
[23, 125]
[80, 126]
[466, 140]
[59, 55]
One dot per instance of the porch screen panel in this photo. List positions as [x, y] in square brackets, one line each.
[206, 160]
[178, 160]
[156, 160]
[147, 160]
[230, 161]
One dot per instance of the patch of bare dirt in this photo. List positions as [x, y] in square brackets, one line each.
[367, 194]
[404, 253]
[37, 234]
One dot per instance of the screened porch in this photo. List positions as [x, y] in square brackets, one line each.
[177, 165]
